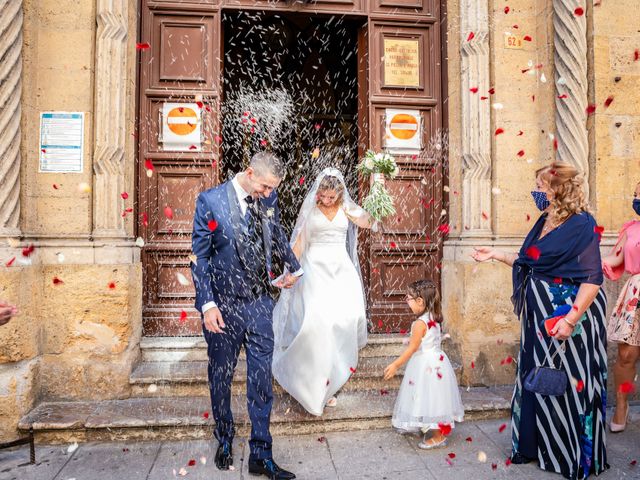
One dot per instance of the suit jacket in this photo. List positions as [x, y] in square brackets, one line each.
[218, 268]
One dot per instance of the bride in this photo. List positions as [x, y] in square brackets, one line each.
[320, 323]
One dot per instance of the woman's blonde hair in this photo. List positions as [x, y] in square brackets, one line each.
[330, 182]
[567, 185]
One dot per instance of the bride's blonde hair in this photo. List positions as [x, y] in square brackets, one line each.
[567, 185]
[329, 182]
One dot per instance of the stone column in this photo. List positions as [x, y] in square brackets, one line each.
[476, 119]
[570, 55]
[111, 77]
[10, 112]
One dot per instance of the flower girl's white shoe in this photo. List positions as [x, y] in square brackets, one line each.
[426, 445]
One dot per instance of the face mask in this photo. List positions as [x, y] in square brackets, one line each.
[541, 200]
[636, 205]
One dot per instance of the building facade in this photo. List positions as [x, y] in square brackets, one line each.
[95, 251]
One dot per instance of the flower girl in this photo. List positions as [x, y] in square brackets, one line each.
[428, 398]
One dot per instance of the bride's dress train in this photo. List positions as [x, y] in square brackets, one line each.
[320, 323]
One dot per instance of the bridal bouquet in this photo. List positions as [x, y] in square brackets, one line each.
[378, 204]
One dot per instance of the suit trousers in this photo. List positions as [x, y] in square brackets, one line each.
[248, 322]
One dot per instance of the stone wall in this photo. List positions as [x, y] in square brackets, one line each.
[76, 337]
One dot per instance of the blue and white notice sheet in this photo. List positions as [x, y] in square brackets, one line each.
[61, 142]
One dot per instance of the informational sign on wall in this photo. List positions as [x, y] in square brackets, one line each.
[403, 131]
[402, 62]
[61, 142]
[181, 127]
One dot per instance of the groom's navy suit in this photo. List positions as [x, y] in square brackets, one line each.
[234, 255]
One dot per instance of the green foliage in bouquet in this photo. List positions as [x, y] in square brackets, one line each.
[378, 204]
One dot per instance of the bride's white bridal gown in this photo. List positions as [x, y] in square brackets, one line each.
[322, 317]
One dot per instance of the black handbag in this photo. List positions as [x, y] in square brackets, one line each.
[547, 381]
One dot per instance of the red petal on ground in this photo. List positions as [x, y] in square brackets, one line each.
[111, 285]
[451, 455]
[502, 427]
[492, 90]
[192, 147]
[168, 212]
[403, 331]
[439, 375]
[499, 131]
[384, 392]
[445, 428]
[485, 216]
[527, 38]
[633, 463]
[528, 217]
[557, 280]
[183, 316]
[494, 466]
[148, 164]
[484, 98]
[212, 224]
[591, 109]
[469, 439]
[636, 55]
[626, 387]
[142, 46]
[200, 105]
[321, 439]
[124, 195]
[393, 244]
[192, 463]
[579, 386]
[521, 153]
[205, 414]
[579, 11]
[57, 281]
[449, 462]
[507, 462]
[533, 98]
[471, 36]
[555, 144]
[352, 370]
[473, 89]
[444, 228]
[56, 186]
[533, 252]
[441, 357]
[608, 101]
[9, 262]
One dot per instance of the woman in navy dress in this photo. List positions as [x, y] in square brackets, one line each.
[558, 273]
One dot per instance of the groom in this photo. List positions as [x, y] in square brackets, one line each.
[236, 232]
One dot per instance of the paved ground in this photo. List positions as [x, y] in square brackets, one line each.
[374, 454]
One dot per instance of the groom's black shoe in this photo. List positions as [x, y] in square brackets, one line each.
[224, 456]
[269, 468]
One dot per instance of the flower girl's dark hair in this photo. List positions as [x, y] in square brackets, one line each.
[427, 291]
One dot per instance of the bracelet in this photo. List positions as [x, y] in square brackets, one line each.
[572, 325]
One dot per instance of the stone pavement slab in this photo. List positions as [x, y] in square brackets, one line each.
[14, 463]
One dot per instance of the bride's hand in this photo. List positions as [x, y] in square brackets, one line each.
[390, 371]
[482, 254]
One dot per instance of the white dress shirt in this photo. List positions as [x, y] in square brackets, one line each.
[242, 196]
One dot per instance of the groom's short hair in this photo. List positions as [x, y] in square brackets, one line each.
[264, 163]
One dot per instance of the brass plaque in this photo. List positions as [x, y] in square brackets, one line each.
[402, 62]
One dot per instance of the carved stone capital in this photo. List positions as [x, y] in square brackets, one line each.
[10, 91]
[110, 117]
[570, 55]
[476, 118]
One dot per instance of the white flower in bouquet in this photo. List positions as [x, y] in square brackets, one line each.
[369, 163]
[395, 172]
[378, 157]
[378, 203]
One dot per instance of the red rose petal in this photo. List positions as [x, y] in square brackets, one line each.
[439, 375]
[192, 463]
[183, 316]
[431, 324]
[192, 147]
[442, 357]
[444, 228]
[471, 36]
[142, 46]
[557, 280]
[301, 181]
[473, 364]
[168, 212]
[469, 439]
[473, 89]
[507, 462]
[527, 38]
[626, 387]
[124, 195]
[9, 262]
[321, 439]
[148, 164]
[494, 466]
[352, 370]
[533, 252]
[484, 98]
[633, 463]
[579, 11]
[485, 216]
[521, 153]
[506, 9]
[205, 414]
[528, 217]
[111, 285]
[145, 219]
[499, 131]
[492, 90]
[445, 428]
[451, 455]
[608, 101]
[502, 427]
[55, 186]
[590, 109]
[636, 55]
[579, 386]
[57, 281]
[212, 224]
[393, 244]
[384, 392]
[28, 250]
[555, 144]
[563, 96]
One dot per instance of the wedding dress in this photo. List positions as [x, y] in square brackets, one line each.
[320, 323]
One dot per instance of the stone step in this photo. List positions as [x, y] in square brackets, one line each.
[194, 349]
[178, 379]
[189, 417]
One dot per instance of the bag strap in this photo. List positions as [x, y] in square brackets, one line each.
[560, 346]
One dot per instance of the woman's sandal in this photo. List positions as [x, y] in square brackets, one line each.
[332, 402]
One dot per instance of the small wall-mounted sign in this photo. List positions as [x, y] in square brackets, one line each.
[513, 42]
[181, 130]
[61, 142]
[401, 62]
[403, 133]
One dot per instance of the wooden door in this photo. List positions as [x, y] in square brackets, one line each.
[181, 65]
[409, 247]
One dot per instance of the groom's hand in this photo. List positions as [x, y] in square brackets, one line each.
[289, 280]
[213, 320]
